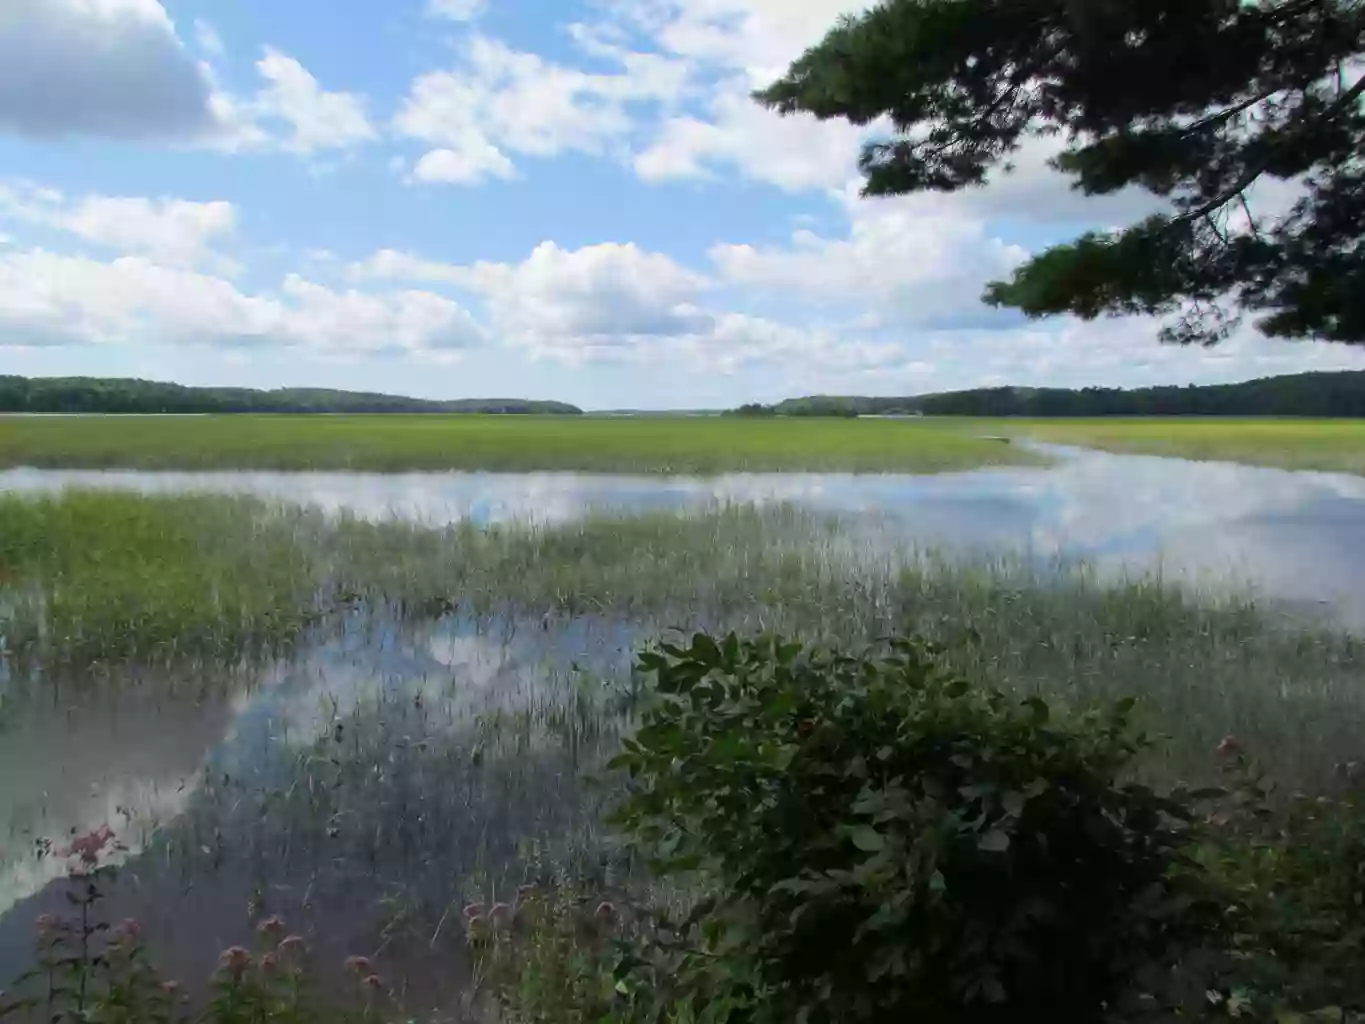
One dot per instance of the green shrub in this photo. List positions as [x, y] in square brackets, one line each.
[883, 839]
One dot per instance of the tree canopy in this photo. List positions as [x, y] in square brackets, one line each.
[1327, 395]
[1195, 101]
[115, 395]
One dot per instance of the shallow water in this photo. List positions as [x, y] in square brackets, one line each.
[1296, 537]
[359, 787]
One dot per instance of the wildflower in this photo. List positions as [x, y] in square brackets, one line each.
[473, 910]
[606, 913]
[373, 982]
[90, 846]
[269, 963]
[359, 964]
[271, 927]
[500, 916]
[292, 944]
[235, 961]
[170, 987]
[1229, 747]
[129, 927]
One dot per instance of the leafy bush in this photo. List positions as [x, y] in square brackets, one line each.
[882, 838]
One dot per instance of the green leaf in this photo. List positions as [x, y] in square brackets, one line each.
[994, 841]
[867, 839]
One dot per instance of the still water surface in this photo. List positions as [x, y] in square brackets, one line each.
[395, 801]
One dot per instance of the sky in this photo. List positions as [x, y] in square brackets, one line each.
[568, 199]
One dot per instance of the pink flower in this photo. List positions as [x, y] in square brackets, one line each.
[292, 944]
[373, 982]
[500, 914]
[235, 961]
[473, 910]
[269, 963]
[359, 964]
[271, 926]
[90, 846]
[129, 927]
[1229, 747]
[170, 987]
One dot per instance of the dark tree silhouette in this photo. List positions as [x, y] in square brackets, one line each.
[1193, 100]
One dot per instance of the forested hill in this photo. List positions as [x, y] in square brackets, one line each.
[96, 394]
[1302, 394]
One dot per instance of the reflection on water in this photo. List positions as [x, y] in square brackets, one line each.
[1295, 536]
[362, 786]
[360, 789]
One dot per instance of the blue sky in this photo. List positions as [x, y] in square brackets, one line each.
[554, 199]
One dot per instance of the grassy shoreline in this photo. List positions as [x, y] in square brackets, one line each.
[700, 445]
[1327, 445]
[677, 445]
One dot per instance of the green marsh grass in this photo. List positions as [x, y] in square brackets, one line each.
[496, 443]
[100, 577]
[106, 576]
[1330, 445]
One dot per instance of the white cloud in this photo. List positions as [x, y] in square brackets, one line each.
[619, 303]
[472, 162]
[112, 68]
[601, 296]
[793, 153]
[758, 37]
[390, 265]
[456, 10]
[499, 101]
[210, 42]
[903, 262]
[52, 299]
[318, 119]
[173, 231]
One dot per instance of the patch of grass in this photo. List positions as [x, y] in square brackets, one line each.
[499, 443]
[1333, 445]
[98, 577]
[105, 576]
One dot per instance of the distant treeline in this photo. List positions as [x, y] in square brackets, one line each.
[102, 395]
[1303, 394]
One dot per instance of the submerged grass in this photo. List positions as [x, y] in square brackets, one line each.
[1331, 445]
[499, 443]
[88, 577]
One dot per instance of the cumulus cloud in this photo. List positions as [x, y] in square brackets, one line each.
[473, 160]
[610, 295]
[317, 119]
[499, 101]
[736, 134]
[901, 263]
[112, 68]
[391, 265]
[173, 231]
[52, 299]
[556, 300]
